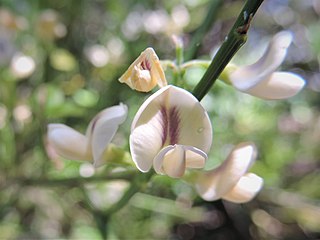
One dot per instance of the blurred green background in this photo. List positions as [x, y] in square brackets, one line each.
[60, 61]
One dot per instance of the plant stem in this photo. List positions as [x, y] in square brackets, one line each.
[76, 181]
[233, 42]
[135, 186]
[196, 63]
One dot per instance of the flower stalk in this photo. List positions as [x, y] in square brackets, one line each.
[233, 42]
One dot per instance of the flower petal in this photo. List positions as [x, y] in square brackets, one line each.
[174, 159]
[214, 184]
[194, 125]
[171, 160]
[195, 158]
[68, 143]
[145, 72]
[246, 77]
[246, 189]
[145, 143]
[279, 85]
[102, 129]
[168, 117]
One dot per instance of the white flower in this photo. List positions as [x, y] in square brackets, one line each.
[230, 181]
[145, 72]
[170, 131]
[260, 78]
[73, 145]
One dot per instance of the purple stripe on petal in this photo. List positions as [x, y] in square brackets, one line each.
[164, 123]
[170, 124]
[174, 125]
[94, 122]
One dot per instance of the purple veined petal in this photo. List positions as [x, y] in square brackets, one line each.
[68, 143]
[146, 138]
[243, 78]
[279, 85]
[195, 127]
[188, 122]
[145, 72]
[214, 184]
[171, 116]
[102, 129]
[246, 189]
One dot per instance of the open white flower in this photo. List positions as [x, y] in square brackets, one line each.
[231, 180]
[145, 72]
[170, 131]
[260, 78]
[73, 145]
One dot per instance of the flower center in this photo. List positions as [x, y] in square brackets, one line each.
[170, 122]
[145, 65]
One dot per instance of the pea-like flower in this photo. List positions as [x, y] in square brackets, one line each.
[231, 180]
[261, 79]
[171, 132]
[145, 72]
[73, 145]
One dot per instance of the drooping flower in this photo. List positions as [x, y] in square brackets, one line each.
[261, 78]
[231, 180]
[73, 145]
[171, 132]
[145, 72]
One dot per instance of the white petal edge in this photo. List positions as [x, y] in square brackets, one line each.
[147, 109]
[102, 129]
[173, 160]
[68, 142]
[246, 189]
[279, 85]
[245, 77]
[213, 184]
[145, 143]
[195, 158]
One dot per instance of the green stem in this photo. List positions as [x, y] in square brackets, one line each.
[135, 187]
[137, 184]
[178, 74]
[196, 63]
[76, 181]
[235, 39]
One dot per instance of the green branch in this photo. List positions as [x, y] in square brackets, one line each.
[75, 181]
[234, 40]
[135, 187]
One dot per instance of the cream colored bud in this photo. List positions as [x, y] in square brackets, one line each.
[145, 72]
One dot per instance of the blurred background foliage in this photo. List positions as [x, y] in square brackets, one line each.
[60, 61]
